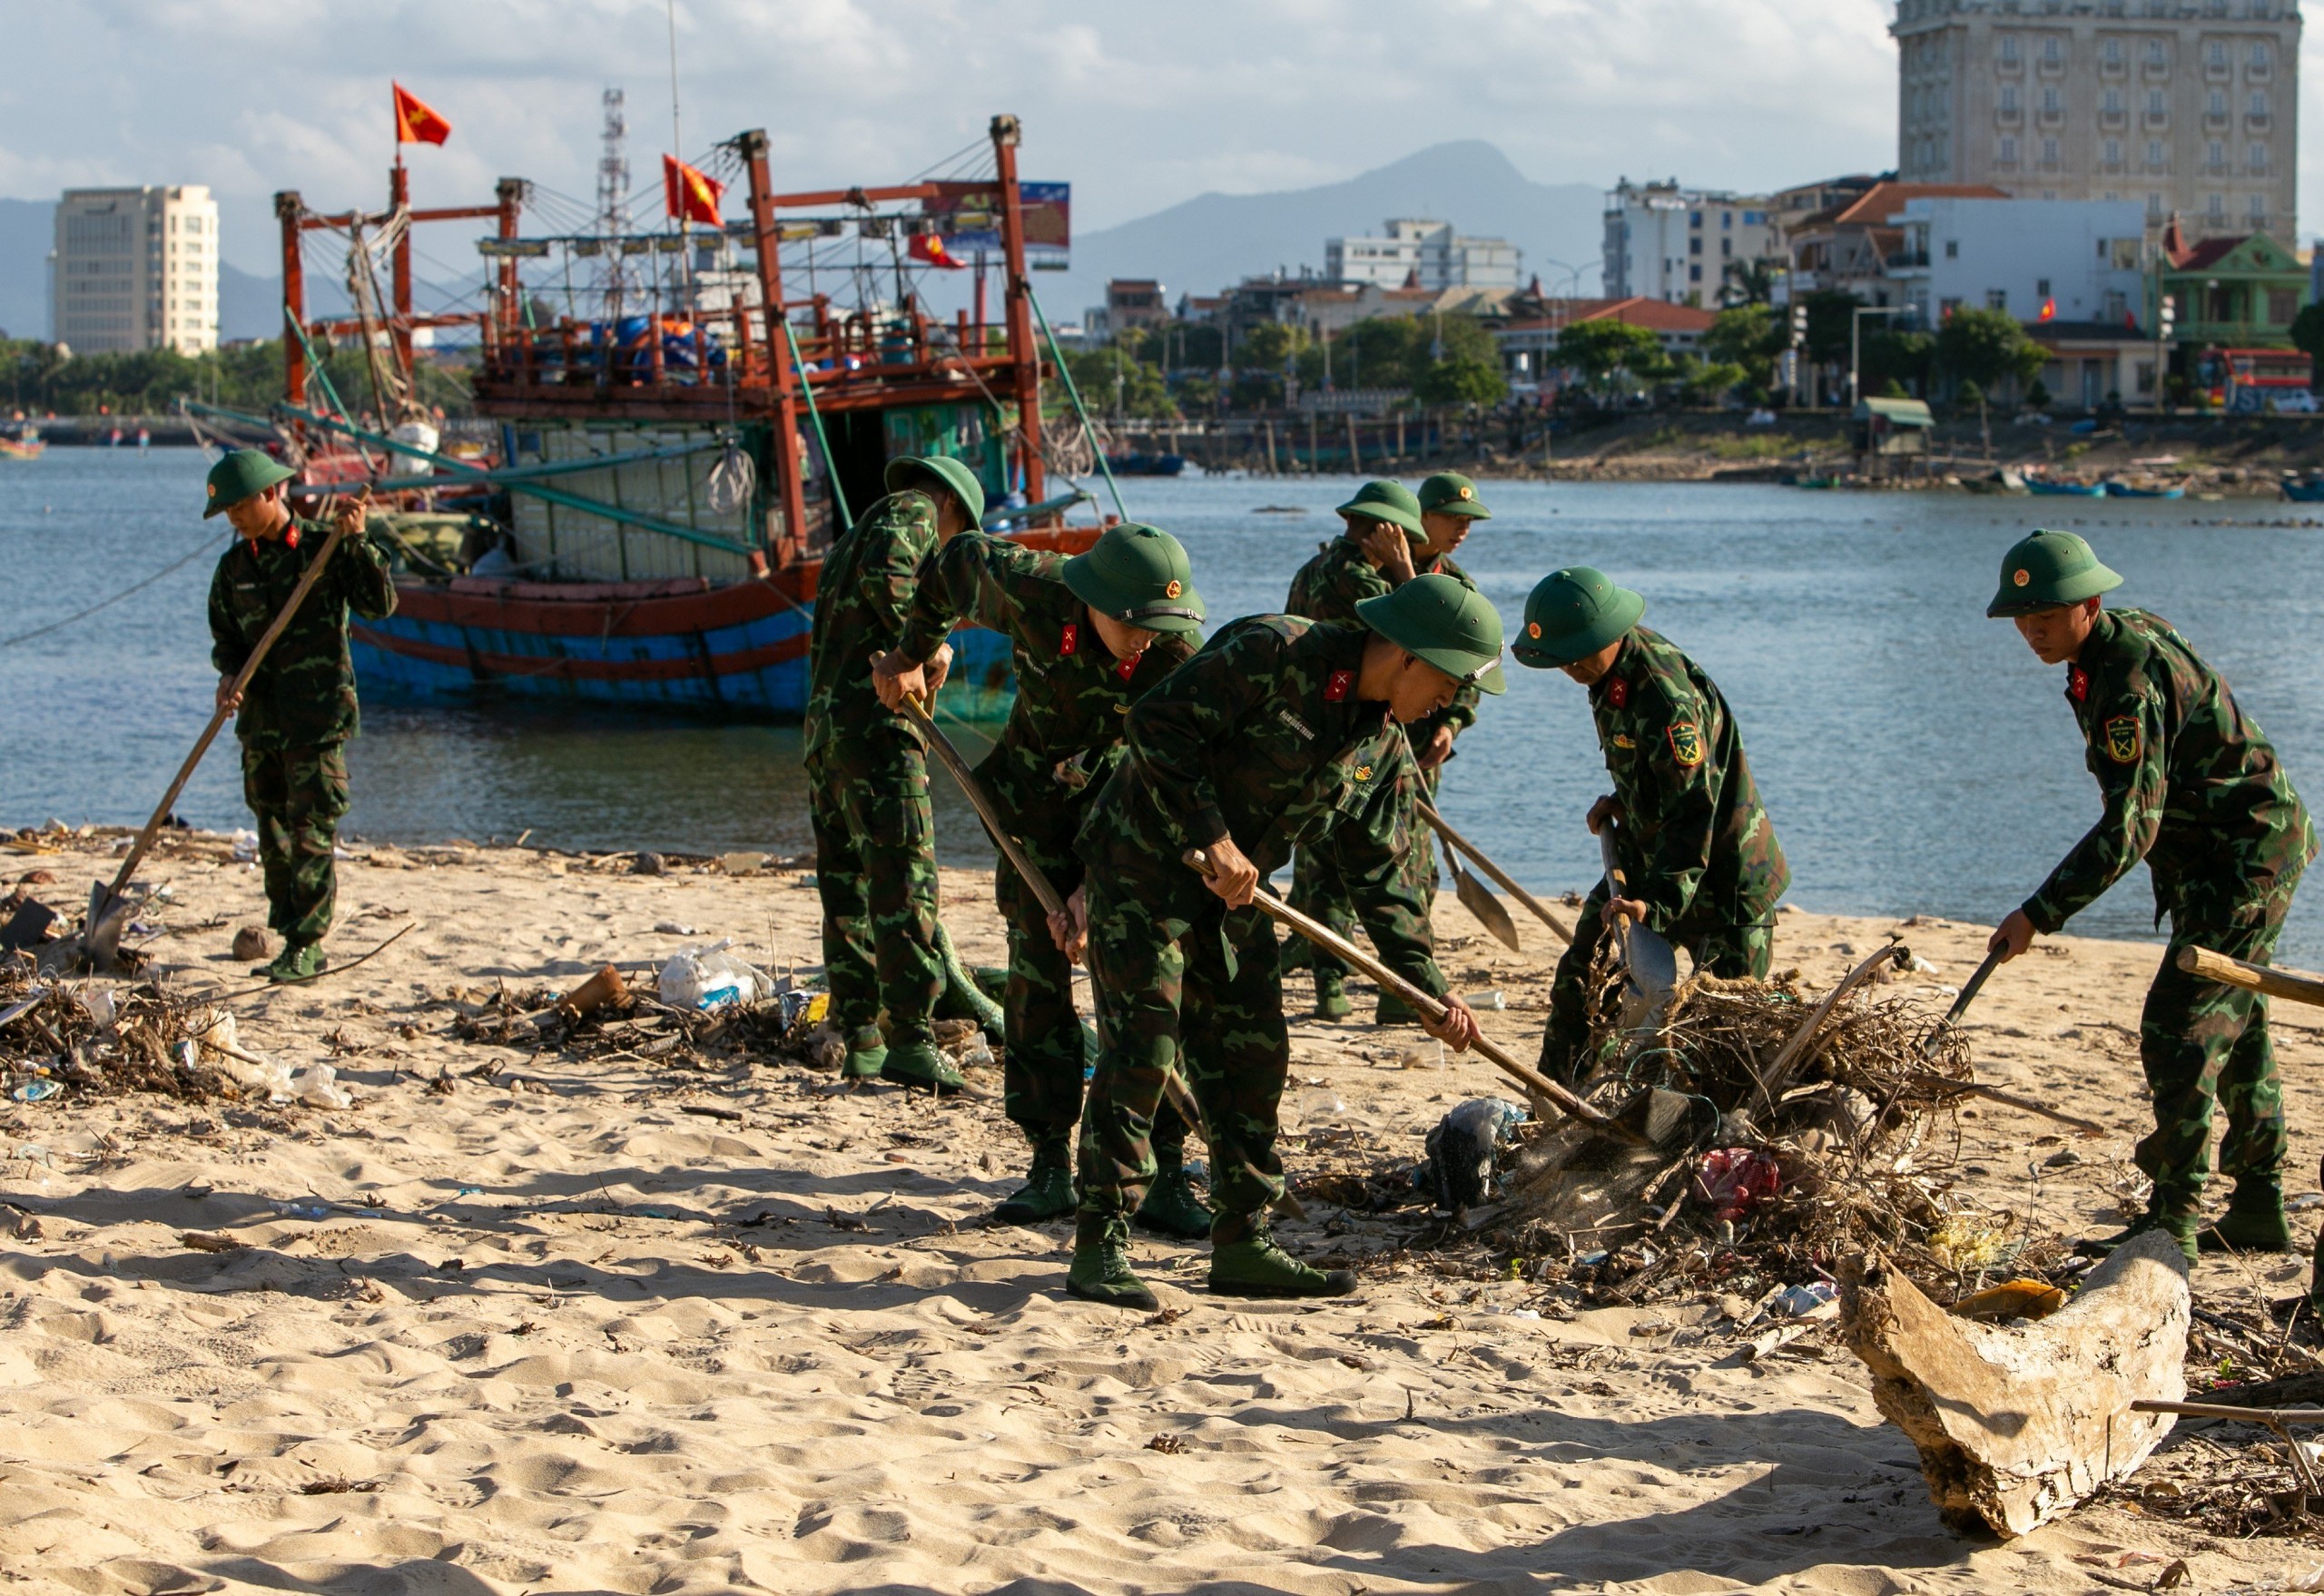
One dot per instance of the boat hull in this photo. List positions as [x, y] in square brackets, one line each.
[2304, 492]
[2065, 489]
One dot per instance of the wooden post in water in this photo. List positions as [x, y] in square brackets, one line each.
[1354, 454]
[1271, 470]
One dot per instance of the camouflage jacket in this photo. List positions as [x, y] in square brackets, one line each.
[860, 604]
[1260, 737]
[303, 693]
[1064, 734]
[2190, 784]
[1329, 586]
[1697, 847]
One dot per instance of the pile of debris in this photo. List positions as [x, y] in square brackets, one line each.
[64, 1038]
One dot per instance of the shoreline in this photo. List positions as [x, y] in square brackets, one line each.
[713, 1320]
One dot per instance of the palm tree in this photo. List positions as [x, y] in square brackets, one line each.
[1748, 283]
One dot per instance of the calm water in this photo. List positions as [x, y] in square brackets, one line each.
[1914, 754]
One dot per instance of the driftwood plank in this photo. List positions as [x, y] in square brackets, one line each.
[2017, 1424]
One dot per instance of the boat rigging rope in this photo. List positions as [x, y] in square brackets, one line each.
[205, 547]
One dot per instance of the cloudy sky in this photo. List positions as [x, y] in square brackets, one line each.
[1139, 105]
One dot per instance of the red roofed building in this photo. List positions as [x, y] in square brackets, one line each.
[1529, 344]
[1847, 248]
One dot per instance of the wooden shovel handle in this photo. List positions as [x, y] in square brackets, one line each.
[2251, 978]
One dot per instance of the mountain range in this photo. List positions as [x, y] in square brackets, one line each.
[1196, 247]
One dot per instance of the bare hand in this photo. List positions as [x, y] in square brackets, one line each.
[1606, 811]
[227, 697]
[1457, 1029]
[1621, 909]
[1232, 877]
[1070, 931]
[1388, 550]
[895, 678]
[1435, 751]
[352, 513]
[939, 667]
[2015, 933]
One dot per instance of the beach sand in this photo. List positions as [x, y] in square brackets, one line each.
[555, 1333]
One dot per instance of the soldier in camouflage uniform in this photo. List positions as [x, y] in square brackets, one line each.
[1694, 845]
[867, 772]
[1270, 736]
[299, 709]
[2194, 788]
[1388, 541]
[1090, 635]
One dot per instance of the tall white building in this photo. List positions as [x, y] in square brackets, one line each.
[2189, 107]
[1428, 251]
[135, 268]
[1675, 244]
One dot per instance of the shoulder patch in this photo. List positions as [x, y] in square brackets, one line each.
[2077, 683]
[2123, 739]
[1686, 744]
[1340, 684]
[1617, 692]
[1069, 642]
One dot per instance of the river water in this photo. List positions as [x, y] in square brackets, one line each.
[1913, 755]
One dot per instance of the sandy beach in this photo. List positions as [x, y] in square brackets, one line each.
[640, 1327]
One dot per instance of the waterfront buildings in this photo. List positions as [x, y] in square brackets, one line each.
[1848, 248]
[135, 268]
[1529, 344]
[1676, 244]
[1423, 254]
[2042, 260]
[2186, 107]
[1131, 303]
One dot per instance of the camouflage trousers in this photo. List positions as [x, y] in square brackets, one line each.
[1319, 874]
[1717, 948]
[875, 870]
[299, 796]
[1041, 1064]
[2205, 1043]
[1182, 983]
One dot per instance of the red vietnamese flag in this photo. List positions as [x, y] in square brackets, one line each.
[930, 247]
[2048, 311]
[687, 194]
[417, 122]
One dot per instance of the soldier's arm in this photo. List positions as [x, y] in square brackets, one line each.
[365, 580]
[1191, 717]
[229, 649]
[2126, 756]
[904, 536]
[968, 577]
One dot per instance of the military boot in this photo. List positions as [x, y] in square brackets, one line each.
[2170, 1212]
[297, 962]
[867, 1051]
[2254, 1221]
[1256, 1267]
[1048, 1192]
[1394, 1010]
[1101, 1271]
[1171, 1208]
[922, 1064]
[1331, 998]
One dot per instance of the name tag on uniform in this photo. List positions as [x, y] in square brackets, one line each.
[1296, 723]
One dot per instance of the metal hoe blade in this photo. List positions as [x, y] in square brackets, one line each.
[1480, 900]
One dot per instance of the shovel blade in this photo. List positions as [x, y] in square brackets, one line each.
[1479, 900]
[1653, 964]
[100, 929]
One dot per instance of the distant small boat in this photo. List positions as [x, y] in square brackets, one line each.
[25, 446]
[2065, 489]
[1815, 482]
[1140, 464]
[2118, 489]
[2001, 481]
[1280, 509]
[2311, 491]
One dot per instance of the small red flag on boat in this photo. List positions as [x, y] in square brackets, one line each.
[687, 194]
[2048, 311]
[417, 122]
[930, 247]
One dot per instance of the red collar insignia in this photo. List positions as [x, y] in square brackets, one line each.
[290, 539]
[1617, 692]
[2077, 683]
[1127, 668]
[1336, 689]
[1071, 643]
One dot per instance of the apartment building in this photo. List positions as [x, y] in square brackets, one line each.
[2188, 107]
[1412, 252]
[135, 268]
[1676, 244]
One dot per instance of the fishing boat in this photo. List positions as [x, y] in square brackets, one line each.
[27, 445]
[2116, 488]
[1138, 463]
[2059, 486]
[2304, 491]
[674, 424]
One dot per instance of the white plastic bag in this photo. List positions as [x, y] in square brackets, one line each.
[318, 1087]
[711, 978]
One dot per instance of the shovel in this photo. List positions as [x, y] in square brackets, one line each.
[1479, 899]
[1649, 964]
[1961, 1004]
[109, 911]
[1499, 876]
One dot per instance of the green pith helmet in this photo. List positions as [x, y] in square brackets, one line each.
[1392, 502]
[240, 475]
[1444, 622]
[1572, 614]
[1451, 494]
[2046, 570]
[1139, 574]
[954, 474]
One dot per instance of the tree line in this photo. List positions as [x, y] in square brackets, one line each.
[46, 379]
